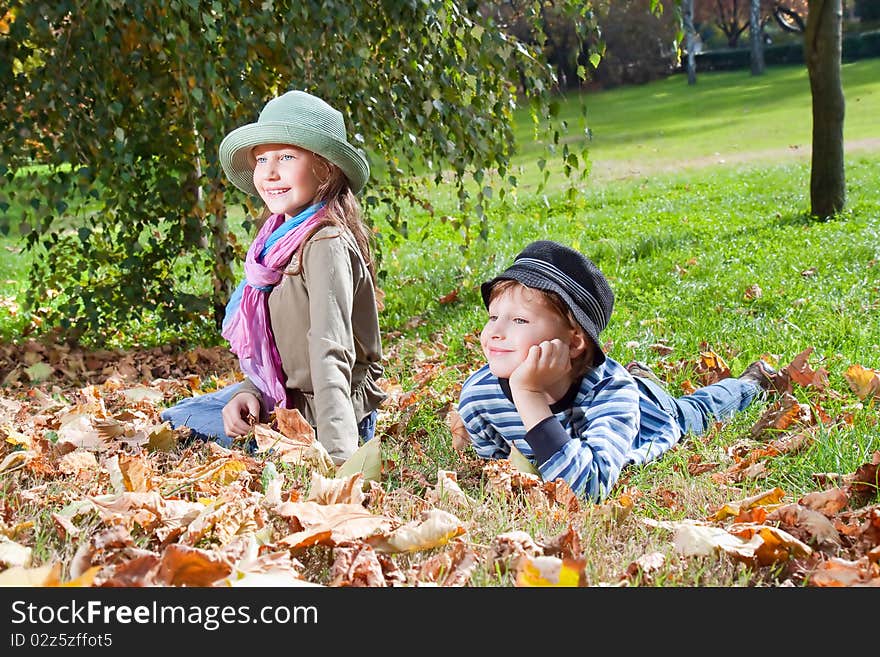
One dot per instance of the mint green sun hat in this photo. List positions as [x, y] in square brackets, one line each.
[300, 119]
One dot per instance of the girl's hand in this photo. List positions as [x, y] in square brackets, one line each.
[545, 365]
[240, 413]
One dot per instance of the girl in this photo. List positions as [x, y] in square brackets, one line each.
[304, 321]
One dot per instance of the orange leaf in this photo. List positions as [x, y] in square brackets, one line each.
[449, 298]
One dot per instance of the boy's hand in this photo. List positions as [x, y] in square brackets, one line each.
[546, 364]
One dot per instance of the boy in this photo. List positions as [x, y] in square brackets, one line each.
[549, 389]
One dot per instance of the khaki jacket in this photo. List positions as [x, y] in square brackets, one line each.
[326, 327]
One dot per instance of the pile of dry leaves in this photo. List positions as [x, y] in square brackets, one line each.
[133, 503]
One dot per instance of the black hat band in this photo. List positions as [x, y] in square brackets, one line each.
[575, 290]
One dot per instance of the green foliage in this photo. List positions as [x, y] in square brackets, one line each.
[123, 106]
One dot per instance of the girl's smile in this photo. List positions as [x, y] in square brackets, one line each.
[285, 177]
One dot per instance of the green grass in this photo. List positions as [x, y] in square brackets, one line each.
[727, 116]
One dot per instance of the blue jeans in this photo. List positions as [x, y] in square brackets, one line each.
[203, 414]
[715, 402]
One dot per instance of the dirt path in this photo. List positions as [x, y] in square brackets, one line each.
[607, 170]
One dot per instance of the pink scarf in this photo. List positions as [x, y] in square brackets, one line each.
[247, 327]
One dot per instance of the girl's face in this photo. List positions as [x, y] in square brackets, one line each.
[519, 318]
[286, 178]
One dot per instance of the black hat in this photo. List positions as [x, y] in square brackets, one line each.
[547, 265]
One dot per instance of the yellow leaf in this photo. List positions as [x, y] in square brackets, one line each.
[521, 463]
[549, 571]
[863, 381]
[228, 472]
[367, 459]
[162, 438]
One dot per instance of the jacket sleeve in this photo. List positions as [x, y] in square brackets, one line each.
[605, 429]
[329, 274]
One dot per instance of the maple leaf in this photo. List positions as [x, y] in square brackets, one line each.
[509, 547]
[356, 564]
[806, 524]
[182, 565]
[293, 425]
[337, 490]
[330, 523]
[644, 566]
[447, 489]
[782, 414]
[800, 372]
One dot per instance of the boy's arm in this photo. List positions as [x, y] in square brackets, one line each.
[472, 408]
[590, 457]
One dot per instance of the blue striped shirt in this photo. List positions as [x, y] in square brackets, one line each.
[604, 424]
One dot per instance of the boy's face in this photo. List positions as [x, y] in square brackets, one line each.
[285, 177]
[519, 317]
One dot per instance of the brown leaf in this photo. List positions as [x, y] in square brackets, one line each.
[461, 440]
[644, 566]
[356, 564]
[828, 502]
[782, 414]
[775, 545]
[293, 425]
[806, 524]
[137, 472]
[452, 567]
[843, 572]
[866, 479]
[753, 292]
[801, 373]
[506, 549]
[181, 565]
[566, 545]
[711, 367]
[448, 298]
[340, 490]
[341, 522]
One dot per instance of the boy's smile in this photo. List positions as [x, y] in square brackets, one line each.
[518, 318]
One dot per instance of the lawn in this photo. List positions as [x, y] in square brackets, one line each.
[696, 210]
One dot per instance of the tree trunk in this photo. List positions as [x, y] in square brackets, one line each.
[822, 51]
[690, 41]
[756, 38]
